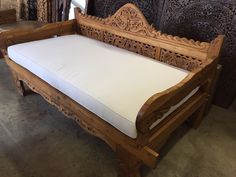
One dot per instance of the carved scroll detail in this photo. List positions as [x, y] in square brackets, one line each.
[153, 117]
[130, 19]
[118, 41]
[179, 60]
[91, 32]
[131, 45]
[18, 84]
[65, 107]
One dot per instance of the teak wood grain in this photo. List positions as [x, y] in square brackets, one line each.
[128, 29]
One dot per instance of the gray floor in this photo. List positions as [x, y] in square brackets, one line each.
[38, 141]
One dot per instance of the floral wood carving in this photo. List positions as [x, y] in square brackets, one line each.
[63, 105]
[130, 19]
[91, 32]
[179, 60]
[131, 45]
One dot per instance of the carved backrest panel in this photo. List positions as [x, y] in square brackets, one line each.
[129, 29]
[91, 32]
[182, 61]
[131, 45]
[118, 41]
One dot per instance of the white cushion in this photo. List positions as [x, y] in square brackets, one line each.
[112, 83]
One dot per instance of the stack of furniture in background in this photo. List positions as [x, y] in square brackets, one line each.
[49, 10]
[6, 17]
[40, 10]
[202, 20]
[53, 10]
[8, 21]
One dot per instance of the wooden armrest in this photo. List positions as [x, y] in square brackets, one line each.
[160, 103]
[7, 16]
[8, 38]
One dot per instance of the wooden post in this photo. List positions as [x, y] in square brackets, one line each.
[128, 165]
[19, 84]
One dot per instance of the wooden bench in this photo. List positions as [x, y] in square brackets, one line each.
[128, 29]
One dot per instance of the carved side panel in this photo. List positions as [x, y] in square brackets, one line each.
[131, 45]
[179, 60]
[65, 105]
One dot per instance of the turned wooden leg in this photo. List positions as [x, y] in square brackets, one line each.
[19, 84]
[128, 165]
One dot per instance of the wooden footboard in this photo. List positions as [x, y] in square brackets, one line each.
[129, 29]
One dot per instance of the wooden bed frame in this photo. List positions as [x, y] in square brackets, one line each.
[128, 29]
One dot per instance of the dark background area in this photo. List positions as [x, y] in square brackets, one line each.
[196, 19]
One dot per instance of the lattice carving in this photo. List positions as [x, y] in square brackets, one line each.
[179, 60]
[131, 45]
[63, 106]
[130, 19]
[91, 32]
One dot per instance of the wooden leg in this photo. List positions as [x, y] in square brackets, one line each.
[19, 84]
[198, 116]
[212, 88]
[128, 165]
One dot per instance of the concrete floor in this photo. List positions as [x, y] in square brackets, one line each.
[38, 141]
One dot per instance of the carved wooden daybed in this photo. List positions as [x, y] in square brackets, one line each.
[128, 29]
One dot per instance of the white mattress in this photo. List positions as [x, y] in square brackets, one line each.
[110, 82]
